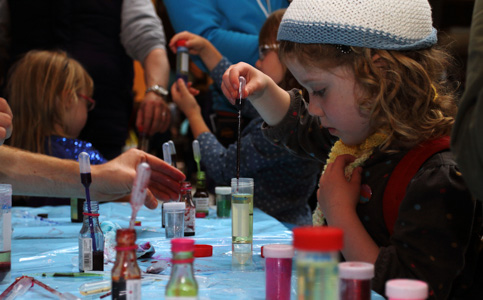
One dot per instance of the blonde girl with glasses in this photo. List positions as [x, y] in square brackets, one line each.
[50, 96]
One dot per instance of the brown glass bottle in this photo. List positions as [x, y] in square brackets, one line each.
[125, 274]
[190, 210]
[201, 196]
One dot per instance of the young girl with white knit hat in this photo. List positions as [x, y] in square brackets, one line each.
[379, 117]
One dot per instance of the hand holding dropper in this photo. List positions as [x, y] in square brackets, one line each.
[86, 179]
[140, 189]
[197, 154]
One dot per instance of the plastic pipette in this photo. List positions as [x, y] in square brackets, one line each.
[86, 179]
[167, 154]
[197, 154]
[172, 150]
[19, 288]
[241, 87]
[140, 189]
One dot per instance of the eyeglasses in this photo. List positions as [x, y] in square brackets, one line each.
[91, 103]
[264, 49]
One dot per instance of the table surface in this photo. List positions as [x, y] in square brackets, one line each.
[47, 246]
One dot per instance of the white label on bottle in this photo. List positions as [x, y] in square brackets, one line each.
[189, 219]
[133, 289]
[202, 204]
[86, 253]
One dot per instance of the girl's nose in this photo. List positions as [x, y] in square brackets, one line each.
[315, 109]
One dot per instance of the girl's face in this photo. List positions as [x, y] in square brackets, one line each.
[269, 63]
[333, 98]
[76, 115]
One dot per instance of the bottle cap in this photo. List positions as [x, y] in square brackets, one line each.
[278, 251]
[223, 190]
[181, 43]
[406, 289]
[174, 206]
[356, 270]
[200, 215]
[203, 250]
[182, 245]
[321, 238]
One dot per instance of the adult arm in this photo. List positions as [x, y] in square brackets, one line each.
[466, 139]
[142, 35]
[33, 174]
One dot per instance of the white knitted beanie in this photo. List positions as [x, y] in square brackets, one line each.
[378, 24]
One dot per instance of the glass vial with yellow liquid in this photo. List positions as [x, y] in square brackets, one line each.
[242, 221]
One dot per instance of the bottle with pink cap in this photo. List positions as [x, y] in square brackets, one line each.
[406, 289]
[355, 280]
[278, 271]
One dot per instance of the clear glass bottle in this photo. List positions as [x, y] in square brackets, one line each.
[190, 212]
[182, 60]
[91, 240]
[316, 260]
[201, 196]
[125, 274]
[182, 283]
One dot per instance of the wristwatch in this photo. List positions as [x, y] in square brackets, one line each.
[161, 91]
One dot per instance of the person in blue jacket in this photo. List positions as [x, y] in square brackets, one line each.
[232, 27]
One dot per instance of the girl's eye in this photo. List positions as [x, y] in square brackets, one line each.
[319, 93]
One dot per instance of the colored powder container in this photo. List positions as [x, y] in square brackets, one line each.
[355, 280]
[278, 271]
[406, 289]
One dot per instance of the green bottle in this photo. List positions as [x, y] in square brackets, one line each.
[182, 283]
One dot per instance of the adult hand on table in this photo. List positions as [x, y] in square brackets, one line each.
[115, 178]
[5, 121]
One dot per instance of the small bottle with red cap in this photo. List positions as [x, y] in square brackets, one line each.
[316, 259]
[406, 289]
[182, 283]
[182, 60]
[125, 274]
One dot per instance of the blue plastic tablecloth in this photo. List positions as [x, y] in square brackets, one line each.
[47, 246]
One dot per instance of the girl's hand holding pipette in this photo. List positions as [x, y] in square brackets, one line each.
[271, 101]
[140, 190]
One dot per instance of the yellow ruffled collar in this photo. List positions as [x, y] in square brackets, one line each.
[361, 152]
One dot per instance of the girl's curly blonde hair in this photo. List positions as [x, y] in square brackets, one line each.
[407, 93]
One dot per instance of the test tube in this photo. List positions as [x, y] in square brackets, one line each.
[242, 222]
[182, 60]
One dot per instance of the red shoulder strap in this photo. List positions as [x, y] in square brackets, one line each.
[402, 175]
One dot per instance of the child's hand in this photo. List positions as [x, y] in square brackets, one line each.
[337, 195]
[183, 97]
[195, 43]
[256, 82]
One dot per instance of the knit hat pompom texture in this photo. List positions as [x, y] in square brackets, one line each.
[377, 24]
